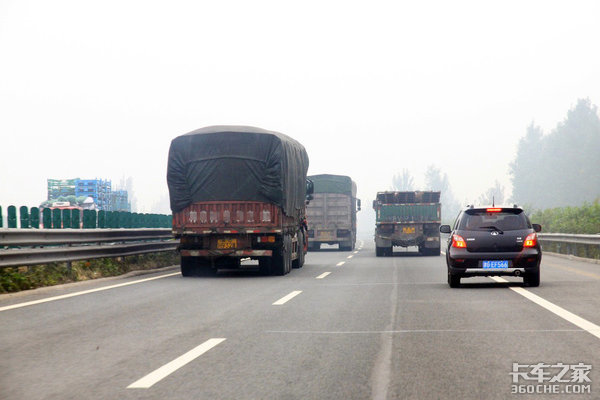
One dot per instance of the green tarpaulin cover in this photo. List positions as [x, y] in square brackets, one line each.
[237, 163]
[326, 183]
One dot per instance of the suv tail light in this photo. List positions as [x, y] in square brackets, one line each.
[530, 240]
[458, 241]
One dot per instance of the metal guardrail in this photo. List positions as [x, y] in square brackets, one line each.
[586, 246]
[570, 238]
[45, 246]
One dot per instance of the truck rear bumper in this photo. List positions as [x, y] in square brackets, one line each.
[226, 253]
[397, 240]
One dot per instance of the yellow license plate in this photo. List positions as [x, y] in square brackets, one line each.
[325, 235]
[408, 230]
[226, 243]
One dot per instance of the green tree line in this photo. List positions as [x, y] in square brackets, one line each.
[581, 220]
[562, 168]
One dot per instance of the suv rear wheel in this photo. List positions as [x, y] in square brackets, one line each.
[532, 279]
[453, 280]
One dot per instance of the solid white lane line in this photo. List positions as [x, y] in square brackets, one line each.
[350, 256]
[323, 275]
[340, 263]
[356, 252]
[66, 296]
[561, 312]
[167, 369]
[287, 298]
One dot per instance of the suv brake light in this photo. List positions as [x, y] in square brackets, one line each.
[458, 241]
[530, 240]
[493, 209]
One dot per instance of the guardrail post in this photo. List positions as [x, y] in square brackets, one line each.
[76, 219]
[56, 219]
[47, 218]
[12, 217]
[24, 217]
[87, 219]
[34, 217]
[93, 219]
[102, 219]
[66, 218]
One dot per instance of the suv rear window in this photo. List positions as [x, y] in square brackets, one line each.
[508, 219]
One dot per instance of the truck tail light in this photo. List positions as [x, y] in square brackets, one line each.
[530, 240]
[459, 242]
[265, 239]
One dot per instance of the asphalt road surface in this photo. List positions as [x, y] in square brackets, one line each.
[348, 325]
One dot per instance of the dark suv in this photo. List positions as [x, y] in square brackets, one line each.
[493, 241]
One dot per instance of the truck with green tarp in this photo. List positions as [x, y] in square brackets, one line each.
[331, 215]
[238, 192]
[407, 219]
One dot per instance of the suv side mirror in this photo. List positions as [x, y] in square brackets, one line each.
[445, 229]
[537, 227]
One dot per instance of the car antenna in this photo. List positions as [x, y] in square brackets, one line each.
[493, 202]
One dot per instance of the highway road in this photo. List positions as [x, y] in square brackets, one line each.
[347, 325]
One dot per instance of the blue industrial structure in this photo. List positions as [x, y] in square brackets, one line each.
[98, 189]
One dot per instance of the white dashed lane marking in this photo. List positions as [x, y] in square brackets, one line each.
[287, 298]
[149, 380]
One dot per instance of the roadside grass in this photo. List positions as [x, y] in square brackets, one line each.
[24, 278]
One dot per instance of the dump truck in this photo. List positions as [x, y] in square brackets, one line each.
[407, 219]
[331, 214]
[238, 192]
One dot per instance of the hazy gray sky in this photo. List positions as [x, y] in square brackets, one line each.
[99, 89]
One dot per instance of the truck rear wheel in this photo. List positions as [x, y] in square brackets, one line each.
[196, 266]
[282, 258]
[299, 261]
[379, 251]
[188, 266]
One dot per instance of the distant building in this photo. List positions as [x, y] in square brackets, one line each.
[61, 188]
[99, 190]
[119, 201]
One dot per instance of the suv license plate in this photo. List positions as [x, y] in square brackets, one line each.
[495, 264]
